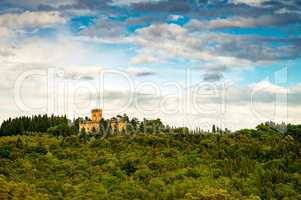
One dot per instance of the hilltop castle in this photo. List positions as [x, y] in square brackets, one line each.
[93, 125]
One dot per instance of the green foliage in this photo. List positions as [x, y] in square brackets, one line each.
[209, 194]
[4, 153]
[264, 163]
[61, 129]
[13, 190]
[38, 123]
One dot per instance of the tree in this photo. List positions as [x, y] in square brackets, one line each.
[83, 131]
[36, 123]
[62, 129]
[213, 128]
[19, 143]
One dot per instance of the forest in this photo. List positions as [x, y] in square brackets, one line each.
[45, 157]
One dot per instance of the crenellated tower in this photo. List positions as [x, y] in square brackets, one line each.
[96, 115]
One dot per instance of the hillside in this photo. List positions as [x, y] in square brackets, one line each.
[248, 164]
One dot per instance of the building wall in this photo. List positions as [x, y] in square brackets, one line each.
[90, 127]
[118, 125]
[93, 125]
[121, 126]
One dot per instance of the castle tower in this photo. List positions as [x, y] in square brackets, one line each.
[96, 115]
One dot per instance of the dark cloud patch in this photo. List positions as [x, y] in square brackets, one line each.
[37, 4]
[202, 8]
[213, 8]
[212, 77]
[282, 4]
[213, 73]
[141, 74]
[216, 68]
[87, 78]
[170, 6]
[91, 4]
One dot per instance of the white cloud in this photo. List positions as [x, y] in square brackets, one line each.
[296, 88]
[55, 3]
[250, 2]
[268, 87]
[147, 56]
[228, 106]
[30, 19]
[52, 52]
[129, 2]
[167, 42]
[241, 22]
[287, 11]
[5, 33]
[175, 17]
[80, 12]
[161, 42]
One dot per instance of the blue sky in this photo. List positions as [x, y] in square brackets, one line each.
[231, 47]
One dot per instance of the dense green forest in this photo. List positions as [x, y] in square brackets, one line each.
[61, 126]
[250, 164]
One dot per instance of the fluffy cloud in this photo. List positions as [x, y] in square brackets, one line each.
[53, 3]
[250, 2]
[175, 17]
[106, 30]
[5, 32]
[268, 87]
[162, 42]
[207, 103]
[143, 58]
[243, 22]
[56, 52]
[256, 93]
[193, 43]
[30, 19]
[40, 3]
[173, 6]
[288, 11]
[129, 2]
[13, 25]
[170, 40]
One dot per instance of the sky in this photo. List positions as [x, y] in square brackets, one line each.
[233, 63]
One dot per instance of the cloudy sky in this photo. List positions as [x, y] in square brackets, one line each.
[234, 63]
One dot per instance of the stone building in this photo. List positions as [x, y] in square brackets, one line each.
[93, 125]
[118, 124]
